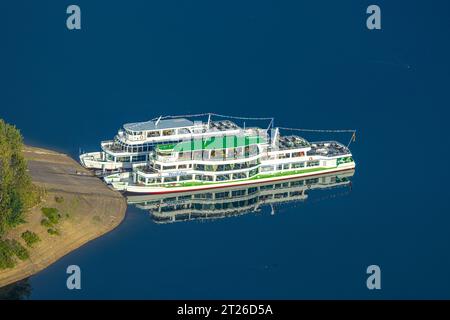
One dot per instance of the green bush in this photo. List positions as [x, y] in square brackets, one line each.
[30, 238]
[59, 199]
[53, 232]
[46, 223]
[19, 250]
[52, 214]
[9, 249]
[6, 255]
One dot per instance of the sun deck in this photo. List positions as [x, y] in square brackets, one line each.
[328, 148]
[292, 142]
[223, 125]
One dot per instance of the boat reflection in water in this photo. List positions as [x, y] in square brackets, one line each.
[234, 201]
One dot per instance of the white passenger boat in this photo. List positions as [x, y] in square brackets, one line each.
[232, 156]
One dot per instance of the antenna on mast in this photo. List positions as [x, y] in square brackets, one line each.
[275, 136]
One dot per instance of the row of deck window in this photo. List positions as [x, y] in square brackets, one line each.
[199, 177]
[168, 132]
[290, 166]
[223, 154]
[211, 168]
[138, 158]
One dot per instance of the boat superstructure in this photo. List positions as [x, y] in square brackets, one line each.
[134, 143]
[243, 157]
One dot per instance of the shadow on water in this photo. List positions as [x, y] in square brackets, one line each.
[20, 290]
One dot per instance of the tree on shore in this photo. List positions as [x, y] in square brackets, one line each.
[17, 193]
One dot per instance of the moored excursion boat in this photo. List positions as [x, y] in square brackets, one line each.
[245, 156]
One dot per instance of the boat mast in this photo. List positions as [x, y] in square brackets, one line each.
[157, 121]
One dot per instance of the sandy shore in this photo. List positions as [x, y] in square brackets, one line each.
[89, 209]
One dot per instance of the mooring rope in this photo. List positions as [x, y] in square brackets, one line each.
[320, 130]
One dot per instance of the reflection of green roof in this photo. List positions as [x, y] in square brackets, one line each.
[212, 143]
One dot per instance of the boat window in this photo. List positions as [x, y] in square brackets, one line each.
[237, 193]
[203, 196]
[169, 167]
[297, 183]
[184, 155]
[186, 178]
[298, 165]
[312, 163]
[298, 154]
[252, 190]
[183, 131]
[168, 132]
[281, 195]
[286, 166]
[240, 175]
[151, 134]
[201, 177]
[223, 177]
[266, 168]
[284, 156]
[170, 179]
[253, 172]
[199, 167]
[221, 195]
[197, 155]
[182, 166]
[139, 158]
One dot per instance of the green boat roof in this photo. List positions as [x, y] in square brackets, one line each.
[212, 143]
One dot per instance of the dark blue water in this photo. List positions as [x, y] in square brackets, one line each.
[311, 64]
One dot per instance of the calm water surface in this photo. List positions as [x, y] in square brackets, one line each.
[312, 65]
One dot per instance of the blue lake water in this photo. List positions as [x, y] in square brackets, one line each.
[312, 64]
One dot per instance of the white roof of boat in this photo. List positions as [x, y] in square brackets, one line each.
[162, 124]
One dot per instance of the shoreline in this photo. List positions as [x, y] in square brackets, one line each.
[90, 209]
